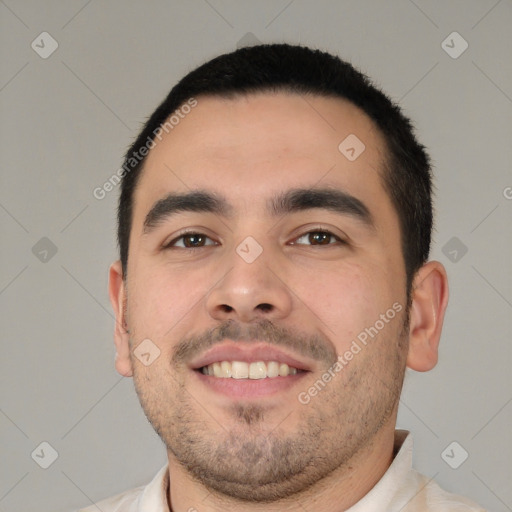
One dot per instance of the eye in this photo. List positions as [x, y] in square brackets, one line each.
[190, 241]
[319, 237]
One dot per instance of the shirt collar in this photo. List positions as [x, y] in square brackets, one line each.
[388, 493]
[155, 494]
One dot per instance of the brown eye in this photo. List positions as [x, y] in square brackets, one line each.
[190, 241]
[318, 238]
[193, 240]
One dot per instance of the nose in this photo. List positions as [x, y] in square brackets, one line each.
[250, 291]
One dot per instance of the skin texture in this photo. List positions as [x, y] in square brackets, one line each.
[310, 299]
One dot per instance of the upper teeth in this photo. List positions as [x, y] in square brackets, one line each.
[243, 370]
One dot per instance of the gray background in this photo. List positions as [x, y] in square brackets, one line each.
[67, 120]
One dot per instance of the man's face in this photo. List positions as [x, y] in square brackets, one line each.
[267, 281]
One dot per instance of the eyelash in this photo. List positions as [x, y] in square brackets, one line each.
[183, 235]
[171, 245]
[323, 232]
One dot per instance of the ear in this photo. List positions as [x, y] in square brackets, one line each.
[429, 301]
[117, 293]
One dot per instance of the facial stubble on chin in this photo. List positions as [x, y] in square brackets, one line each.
[243, 458]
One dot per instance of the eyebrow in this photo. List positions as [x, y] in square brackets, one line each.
[330, 199]
[199, 201]
[291, 201]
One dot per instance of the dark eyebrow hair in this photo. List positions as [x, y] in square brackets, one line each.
[198, 201]
[326, 198]
[293, 200]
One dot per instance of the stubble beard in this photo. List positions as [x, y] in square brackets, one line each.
[244, 460]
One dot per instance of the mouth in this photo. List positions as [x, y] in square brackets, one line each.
[243, 370]
[249, 369]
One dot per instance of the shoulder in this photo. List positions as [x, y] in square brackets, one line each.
[124, 502]
[435, 499]
[144, 498]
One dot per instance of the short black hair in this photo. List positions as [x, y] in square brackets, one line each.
[407, 175]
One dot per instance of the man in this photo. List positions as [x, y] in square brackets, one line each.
[273, 285]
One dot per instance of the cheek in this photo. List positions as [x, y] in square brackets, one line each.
[348, 300]
[161, 300]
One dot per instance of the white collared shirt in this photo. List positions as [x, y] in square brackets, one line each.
[401, 489]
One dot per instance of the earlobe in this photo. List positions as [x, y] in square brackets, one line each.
[429, 301]
[117, 293]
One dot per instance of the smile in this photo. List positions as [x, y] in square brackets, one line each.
[243, 370]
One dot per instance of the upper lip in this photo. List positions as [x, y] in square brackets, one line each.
[249, 352]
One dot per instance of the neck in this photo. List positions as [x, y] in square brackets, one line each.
[337, 492]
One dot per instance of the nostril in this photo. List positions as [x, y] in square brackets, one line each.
[265, 307]
[227, 308]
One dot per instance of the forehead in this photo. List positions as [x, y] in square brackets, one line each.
[257, 145]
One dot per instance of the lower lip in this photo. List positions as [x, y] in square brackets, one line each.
[250, 388]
